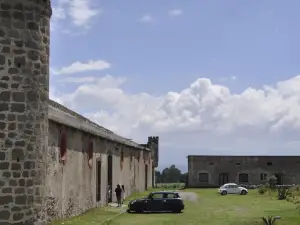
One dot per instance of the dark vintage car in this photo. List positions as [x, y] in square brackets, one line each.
[159, 201]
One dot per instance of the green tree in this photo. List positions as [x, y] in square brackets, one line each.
[183, 178]
[157, 177]
[171, 175]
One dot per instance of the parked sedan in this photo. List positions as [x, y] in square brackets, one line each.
[160, 201]
[232, 188]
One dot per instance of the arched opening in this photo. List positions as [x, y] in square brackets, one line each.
[243, 178]
[63, 145]
[110, 176]
[146, 177]
[98, 177]
[90, 153]
[223, 178]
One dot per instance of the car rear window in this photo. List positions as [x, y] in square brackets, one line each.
[176, 195]
[171, 195]
[157, 195]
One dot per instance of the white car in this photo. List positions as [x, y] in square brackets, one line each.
[232, 188]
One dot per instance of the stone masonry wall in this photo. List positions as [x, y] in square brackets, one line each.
[37, 183]
[254, 166]
[71, 186]
[24, 74]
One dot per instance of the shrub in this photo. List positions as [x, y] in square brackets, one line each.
[271, 181]
[296, 190]
[262, 190]
[270, 220]
[283, 192]
[170, 185]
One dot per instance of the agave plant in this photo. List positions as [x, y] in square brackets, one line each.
[270, 220]
[283, 192]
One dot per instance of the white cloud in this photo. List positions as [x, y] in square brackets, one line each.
[79, 12]
[58, 13]
[146, 18]
[204, 118]
[232, 78]
[175, 12]
[78, 67]
[80, 79]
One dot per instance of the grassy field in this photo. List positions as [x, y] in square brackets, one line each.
[210, 208]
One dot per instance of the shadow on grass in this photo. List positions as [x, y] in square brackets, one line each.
[153, 212]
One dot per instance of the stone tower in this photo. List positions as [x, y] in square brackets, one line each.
[24, 93]
[153, 144]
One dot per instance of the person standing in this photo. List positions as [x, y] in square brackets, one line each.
[118, 191]
[123, 194]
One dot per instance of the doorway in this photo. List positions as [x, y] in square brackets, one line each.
[279, 179]
[110, 175]
[153, 177]
[146, 177]
[223, 178]
[98, 184]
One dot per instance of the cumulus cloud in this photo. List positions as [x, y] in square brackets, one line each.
[79, 12]
[175, 12]
[204, 118]
[78, 67]
[80, 79]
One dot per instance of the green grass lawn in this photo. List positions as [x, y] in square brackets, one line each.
[210, 209]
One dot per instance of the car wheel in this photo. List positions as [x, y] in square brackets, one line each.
[243, 192]
[224, 193]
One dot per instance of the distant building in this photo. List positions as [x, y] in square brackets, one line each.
[213, 171]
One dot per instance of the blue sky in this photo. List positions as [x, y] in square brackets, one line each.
[165, 46]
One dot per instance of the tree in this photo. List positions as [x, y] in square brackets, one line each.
[157, 177]
[171, 175]
[183, 178]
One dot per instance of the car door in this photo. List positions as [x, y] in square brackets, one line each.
[170, 202]
[228, 188]
[235, 189]
[155, 202]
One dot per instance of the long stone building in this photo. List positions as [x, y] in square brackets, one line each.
[83, 159]
[54, 163]
[214, 171]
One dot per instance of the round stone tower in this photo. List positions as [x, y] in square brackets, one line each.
[24, 93]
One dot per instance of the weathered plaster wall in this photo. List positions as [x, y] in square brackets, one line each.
[24, 90]
[288, 166]
[71, 184]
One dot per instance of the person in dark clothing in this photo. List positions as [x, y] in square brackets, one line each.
[118, 191]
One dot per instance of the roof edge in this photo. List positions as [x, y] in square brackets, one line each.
[60, 114]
